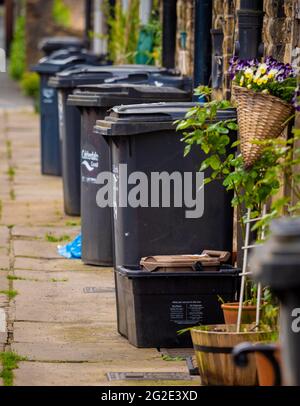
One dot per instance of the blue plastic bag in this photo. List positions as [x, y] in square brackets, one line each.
[71, 250]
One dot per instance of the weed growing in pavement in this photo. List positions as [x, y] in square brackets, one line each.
[9, 361]
[11, 172]
[8, 149]
[12, 195]
[54, 280]
[169, 358]
[52, 238]
[11, 294]
[15, 278]
[73, 223]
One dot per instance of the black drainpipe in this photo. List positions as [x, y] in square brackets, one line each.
[203, 43]
[88, 21]
[169, 33]
[250, 24]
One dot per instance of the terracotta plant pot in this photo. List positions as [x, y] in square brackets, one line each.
[267, 358]
[230, 311]
[265, 369]
[213, 347]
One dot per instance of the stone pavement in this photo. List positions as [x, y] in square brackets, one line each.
[67, 337]
[11, 97]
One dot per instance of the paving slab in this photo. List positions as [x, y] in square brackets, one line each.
[88, 374]
[35, 249]
[66, 333]
[10, 96]
[4, 283]
[55, 265]
[76, 280]
[32, 213]
[105, 352]
[3, 300]
[4, 237]
[66, 301]
[4, 262]
[43, 232]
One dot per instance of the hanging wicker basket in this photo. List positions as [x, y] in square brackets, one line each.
[260, 117]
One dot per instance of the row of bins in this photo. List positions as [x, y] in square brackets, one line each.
[96, 158]
[65, 83]
[84, 136]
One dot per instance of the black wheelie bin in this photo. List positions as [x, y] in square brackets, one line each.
[65, 82]
[52, 44]
[94, 102]
[154, 306]
[50, 142]
[178, 215]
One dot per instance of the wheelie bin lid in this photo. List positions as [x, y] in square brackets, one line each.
[149, 118]
[84, 75]
[161, 78]
[52, 44]
[108, 95]
[207, 261]
[61, 60]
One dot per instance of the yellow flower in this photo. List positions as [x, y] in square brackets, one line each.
[249, 73]
[249, 86]
[272, 73]
[259, 81]
[242, 81]
[263, 68]
[257, 76]
[265, 79]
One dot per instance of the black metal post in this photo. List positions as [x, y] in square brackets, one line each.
[203, 43]
[277, 264]
[9, 24]
[217, 58]
[88, 21]
[169, 33]
[250, 21]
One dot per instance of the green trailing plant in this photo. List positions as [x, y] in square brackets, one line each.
[30, 85]
[253, 187]
[270, 310]
[17, 52]
[123, 31]
[61, 13]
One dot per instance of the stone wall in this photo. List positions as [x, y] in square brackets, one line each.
[39, 24]
[281, 30]
[185, 22]
[224, 17]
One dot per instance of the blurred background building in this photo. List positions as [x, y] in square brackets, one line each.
[196, 36]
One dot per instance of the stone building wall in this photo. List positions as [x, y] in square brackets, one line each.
[185, 22]
[224, 17]
[39, 24]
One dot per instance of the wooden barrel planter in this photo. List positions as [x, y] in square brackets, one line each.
[213, 347]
